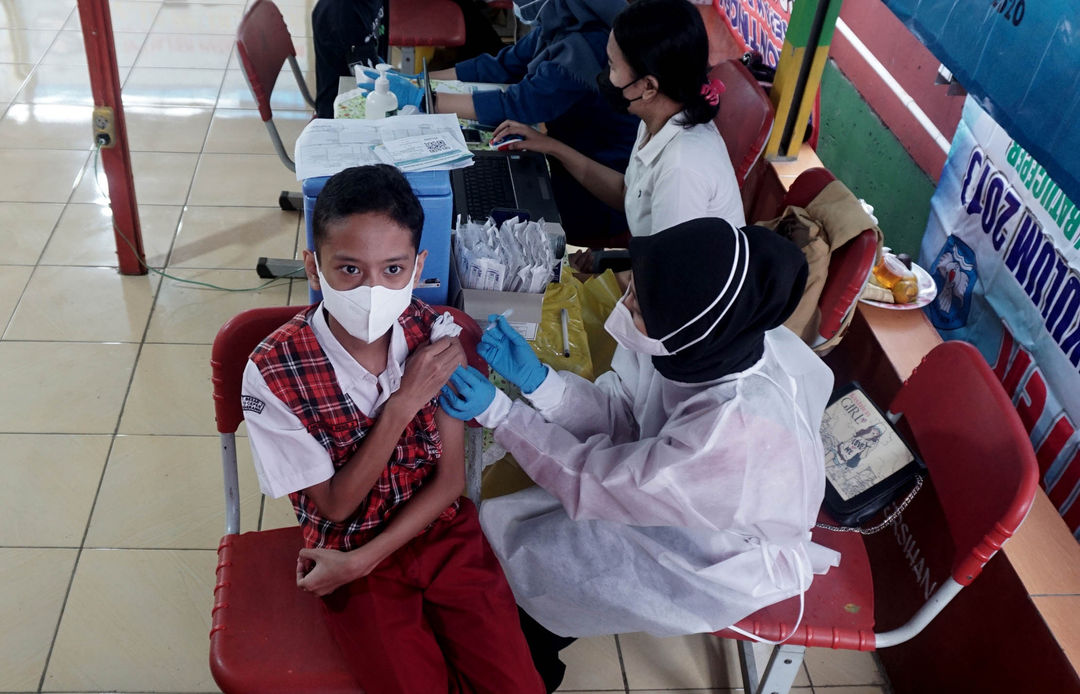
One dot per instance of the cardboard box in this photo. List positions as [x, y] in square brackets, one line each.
[481, 303]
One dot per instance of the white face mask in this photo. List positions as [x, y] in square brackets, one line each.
[620, 324]
[366, 313]
[518, 11]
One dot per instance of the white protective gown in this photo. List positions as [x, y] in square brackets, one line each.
[665, 507]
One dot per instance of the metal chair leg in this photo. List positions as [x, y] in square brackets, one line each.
[272, 268]
[290, 201]
[782, 669]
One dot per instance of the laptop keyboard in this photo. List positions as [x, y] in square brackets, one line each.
[488, 185]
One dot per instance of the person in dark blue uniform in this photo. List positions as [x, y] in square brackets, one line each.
[552, 75]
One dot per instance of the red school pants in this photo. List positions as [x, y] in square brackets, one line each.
[435, 616]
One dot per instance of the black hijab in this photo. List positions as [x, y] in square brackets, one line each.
[720, 288]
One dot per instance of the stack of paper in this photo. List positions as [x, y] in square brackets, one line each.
[412, 143]
[424, 152]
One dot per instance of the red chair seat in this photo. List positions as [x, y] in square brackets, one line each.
[839, 607]
[263, 622]
[426, 23]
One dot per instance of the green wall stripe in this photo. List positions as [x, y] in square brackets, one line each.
[863, 153]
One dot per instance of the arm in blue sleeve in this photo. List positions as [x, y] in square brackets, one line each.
[543, 96]
[508, 67]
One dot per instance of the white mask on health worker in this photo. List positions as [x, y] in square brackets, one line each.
[366, 312]
[620, 323]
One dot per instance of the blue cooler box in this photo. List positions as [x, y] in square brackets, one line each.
[437, 199]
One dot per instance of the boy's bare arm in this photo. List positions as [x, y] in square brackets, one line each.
[427, 370]
[322, 571]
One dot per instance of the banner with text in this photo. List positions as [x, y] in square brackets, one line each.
[1021, 61]
[1003, 246]
[760, 24]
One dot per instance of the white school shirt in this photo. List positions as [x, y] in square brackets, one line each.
[678, 175]
[287, 457]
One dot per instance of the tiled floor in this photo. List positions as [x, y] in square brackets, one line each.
[110, 504]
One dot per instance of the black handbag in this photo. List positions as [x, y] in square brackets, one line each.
[867, 462]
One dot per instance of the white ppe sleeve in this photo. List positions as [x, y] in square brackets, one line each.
[584, 408]
[496, 411]
[287, 458]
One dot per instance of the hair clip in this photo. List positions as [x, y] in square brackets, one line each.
[712, 90]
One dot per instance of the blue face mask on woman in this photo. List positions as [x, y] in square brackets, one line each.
[519, 11]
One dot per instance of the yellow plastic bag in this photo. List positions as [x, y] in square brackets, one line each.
[562, 340]
[598, 297]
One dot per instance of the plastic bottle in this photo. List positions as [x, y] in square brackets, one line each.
[890, 270]
[381, 102]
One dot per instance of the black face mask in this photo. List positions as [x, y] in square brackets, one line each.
[613, 94]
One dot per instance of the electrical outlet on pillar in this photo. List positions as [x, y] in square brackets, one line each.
[104, 124]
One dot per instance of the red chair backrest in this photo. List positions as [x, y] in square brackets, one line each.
[976, 449]
[242, 333]
[234, 343]
[263, 44]
[849, 265]
[806, 187]
[745, 119]
[426, 23]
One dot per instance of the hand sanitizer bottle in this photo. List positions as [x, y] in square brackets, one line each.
[381, 102]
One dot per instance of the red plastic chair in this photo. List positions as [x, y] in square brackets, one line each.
[264, 46]
[983, 470]
[849, 266]
[424, 23]
[745, 119]
[267, 636]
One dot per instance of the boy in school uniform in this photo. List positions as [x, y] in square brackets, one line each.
[341, 414]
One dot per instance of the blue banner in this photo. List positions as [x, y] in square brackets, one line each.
[1020, 59]
[1003, 246]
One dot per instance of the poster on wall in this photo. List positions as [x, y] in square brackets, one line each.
[1020, 61]
[1003, 246]
[760, 24]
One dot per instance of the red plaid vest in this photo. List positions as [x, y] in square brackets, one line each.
[299, 373]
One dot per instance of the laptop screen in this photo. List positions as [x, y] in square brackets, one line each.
[429, 97]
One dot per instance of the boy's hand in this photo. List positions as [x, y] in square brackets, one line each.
[322, 571]
[426, 372]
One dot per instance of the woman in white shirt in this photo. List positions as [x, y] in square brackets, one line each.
[679, 169]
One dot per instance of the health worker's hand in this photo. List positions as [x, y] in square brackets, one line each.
[474, 394]
[401, 86]
[322, 571]
[508, 353]
[534, 141]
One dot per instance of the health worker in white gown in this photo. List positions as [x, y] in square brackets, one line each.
[676, 494]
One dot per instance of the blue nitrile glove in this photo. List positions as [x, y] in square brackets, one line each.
[508, 353]
[474, 394]
[402, 87]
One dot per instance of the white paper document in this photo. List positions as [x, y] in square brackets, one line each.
[327, 146]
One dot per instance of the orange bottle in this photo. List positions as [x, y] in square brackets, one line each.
[890, 270]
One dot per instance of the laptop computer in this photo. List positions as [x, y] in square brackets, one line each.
[512, 179]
